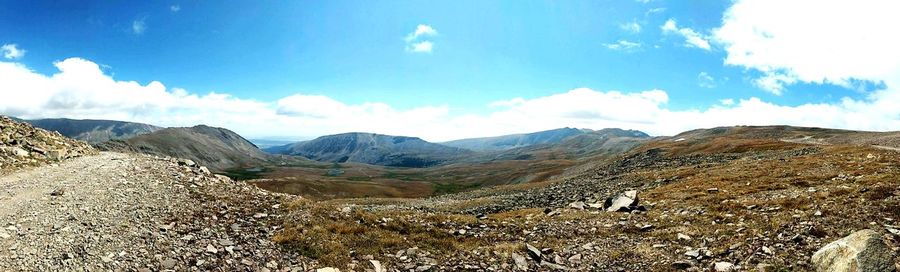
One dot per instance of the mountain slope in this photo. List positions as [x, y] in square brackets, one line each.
[217, 148]
[24, 145]
[94, 131]
[374, 149]
[515, 140]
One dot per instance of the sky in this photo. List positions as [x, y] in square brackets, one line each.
[444, 70]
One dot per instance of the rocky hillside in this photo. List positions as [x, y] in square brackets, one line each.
[24, 145]
[732, 199]
[374, 149]
[217, 148]
[94, 131]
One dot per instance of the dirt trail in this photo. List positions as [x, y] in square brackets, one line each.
[116, 211]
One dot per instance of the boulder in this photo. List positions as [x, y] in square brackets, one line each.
[860, 251]
[624, 202]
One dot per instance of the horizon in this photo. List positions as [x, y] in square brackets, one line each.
[445, 71]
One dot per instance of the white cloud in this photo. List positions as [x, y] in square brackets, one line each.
[139, 26]
[692, 38]
[768, 37]
[727, 102]
[421, 31]
[421, 47]
[417, 41]
[623, 45]
[654, 11]
[705, 80]
[175, 8]
[12, 51]
[632, 27]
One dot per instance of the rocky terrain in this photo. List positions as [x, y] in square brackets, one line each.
[732, 199]
[23, 145]
[217, 148]
[94, 131]
[374, 149]
[735, 201]
[116, 211]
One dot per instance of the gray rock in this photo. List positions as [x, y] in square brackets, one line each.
[723, 267]
[520, 261]
[624, 202]
[533, 252]
[860, 251]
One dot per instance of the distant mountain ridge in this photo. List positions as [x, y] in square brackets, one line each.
[373, 148]
[507, 142]
[217, 148]
[94, 131]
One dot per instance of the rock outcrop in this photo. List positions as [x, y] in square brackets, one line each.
[860, 251]
[24, 145]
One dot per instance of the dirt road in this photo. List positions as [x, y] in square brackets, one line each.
[131, 212]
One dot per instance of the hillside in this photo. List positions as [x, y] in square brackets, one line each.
[217, 148]
[723, 199]
[94, 131]
[506, 142]
[374, 149]
[23, 145]
[515, 140]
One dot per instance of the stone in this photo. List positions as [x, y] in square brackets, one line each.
[377, 266]
[328, 269]
[684, 237]
[168, 264]
[58, 192]
[205, 170]
[211, 249]
[520, 261]
[624, 202]
[578, 205]
[19, 152]
[723, 267]
[533, 252]
[860, 251]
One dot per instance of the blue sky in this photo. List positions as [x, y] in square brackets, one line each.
[354, 53]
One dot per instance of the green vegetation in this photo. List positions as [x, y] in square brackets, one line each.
[246, 173]
[449, 188]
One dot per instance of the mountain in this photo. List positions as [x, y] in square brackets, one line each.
[587, 143]
[217, 148]
[542, 137]
[94, 131]
[267, 143]
[374, 149]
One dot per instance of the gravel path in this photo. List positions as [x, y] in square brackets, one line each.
[131, 212]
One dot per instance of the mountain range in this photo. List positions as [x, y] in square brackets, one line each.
[94, 131]
[374, 149]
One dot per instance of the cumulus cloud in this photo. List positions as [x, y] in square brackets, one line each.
[623, 45]
[692, 37]
[766, 36]
[12, 51]
[418, 40]
[139, 26]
